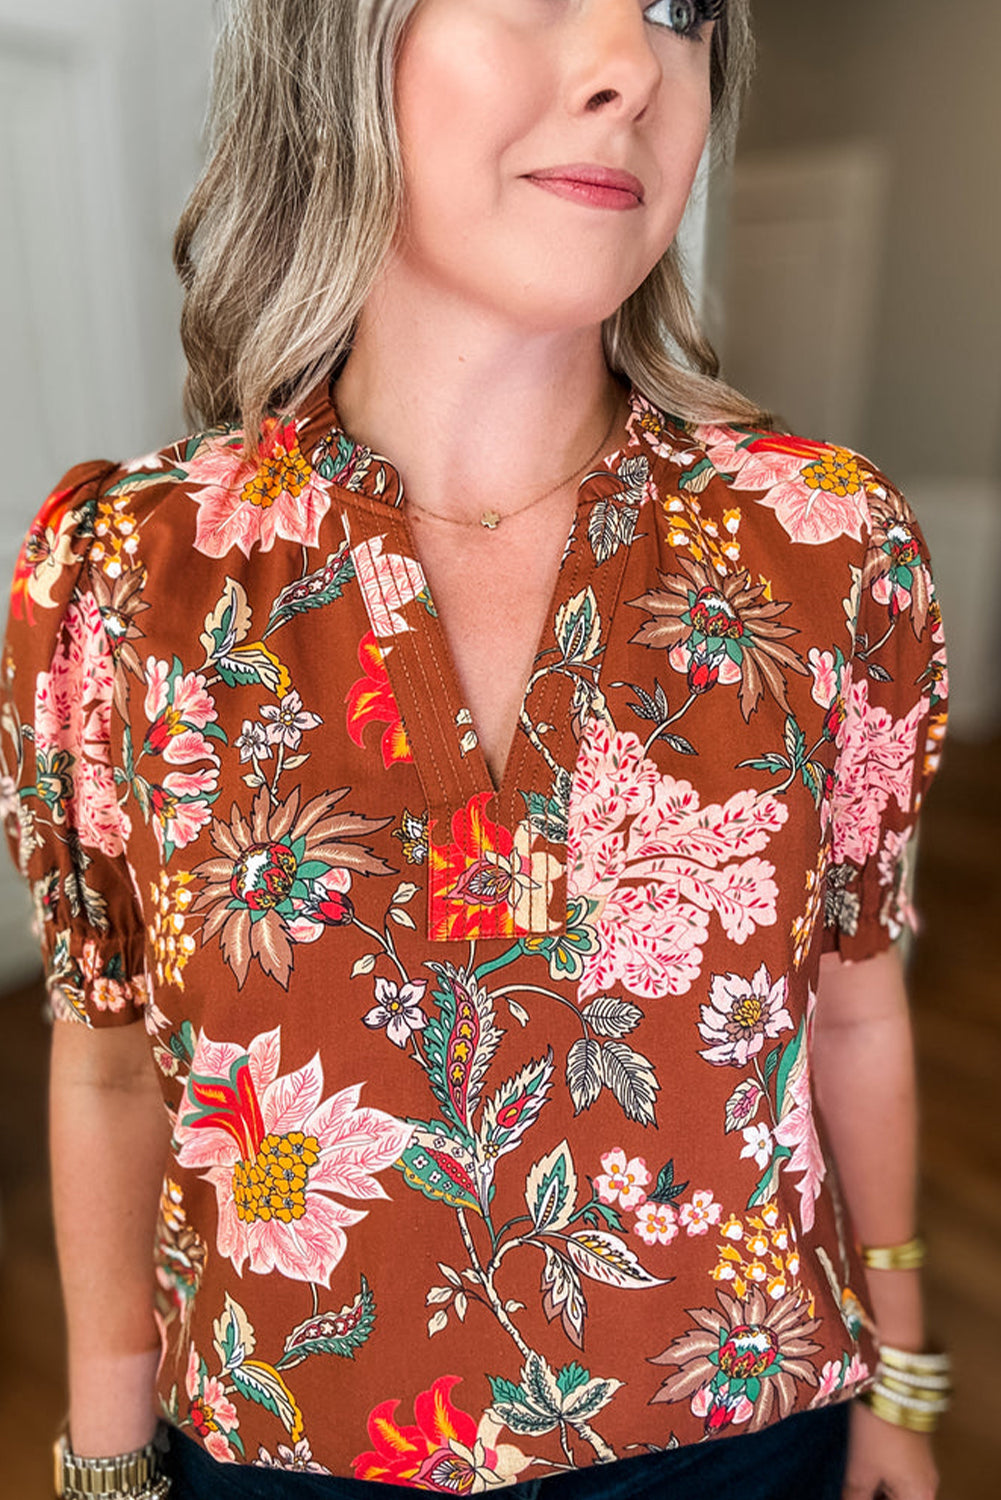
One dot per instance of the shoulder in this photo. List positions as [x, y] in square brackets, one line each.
[818, 491]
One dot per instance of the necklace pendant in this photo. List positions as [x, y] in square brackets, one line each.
[490, 519]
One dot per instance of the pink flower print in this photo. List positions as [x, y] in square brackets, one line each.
[646, 422]
[107, 994]
[816, 490]
[741, 1014]
[179, 708]
[181, 805]
[274, 1150]
[837, 1375]
[830, 1381]
[211, 1413]
[656, 1223]
[73, 714]
[388, 583]
[702, 1211]
[655, 865]
[876, 760]
[99, 820]
[796, 1128]
[248, 503]
[287, 720]
[831, 675]
[622, 1181]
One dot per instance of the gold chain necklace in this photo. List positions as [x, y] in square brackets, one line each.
[491, 519]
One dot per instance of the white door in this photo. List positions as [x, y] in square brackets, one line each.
[101, 104]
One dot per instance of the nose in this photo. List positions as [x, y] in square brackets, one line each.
[614, 65]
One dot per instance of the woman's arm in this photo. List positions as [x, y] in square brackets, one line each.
[109, 1136]
[864, 1079]
[865, 1085]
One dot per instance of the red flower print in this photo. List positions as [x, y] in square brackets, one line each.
[210, 1411]
[46, 550]
[371, 698]
[486, 882]
[444, 1451]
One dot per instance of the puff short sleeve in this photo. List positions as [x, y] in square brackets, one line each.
[62, 815]
[893, 720]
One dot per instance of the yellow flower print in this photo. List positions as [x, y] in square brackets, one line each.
[701, 535]
[116, 537]
[172, 946]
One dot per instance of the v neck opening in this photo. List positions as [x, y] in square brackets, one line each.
[458, 708]
[496, 852]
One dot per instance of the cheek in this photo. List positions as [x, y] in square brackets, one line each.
[679, 138]
[462, 96]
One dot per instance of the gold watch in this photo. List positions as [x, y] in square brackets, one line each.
[138, 1474]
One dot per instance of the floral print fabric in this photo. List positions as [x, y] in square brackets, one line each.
[494, 1150]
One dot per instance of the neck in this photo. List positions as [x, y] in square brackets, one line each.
[456, 400]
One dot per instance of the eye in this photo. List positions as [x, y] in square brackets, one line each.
[684, 17]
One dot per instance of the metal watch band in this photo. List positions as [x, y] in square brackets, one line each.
[127, 1474]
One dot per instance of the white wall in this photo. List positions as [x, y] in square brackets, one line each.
[101, 103]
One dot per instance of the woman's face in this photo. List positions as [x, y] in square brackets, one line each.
[490, 92]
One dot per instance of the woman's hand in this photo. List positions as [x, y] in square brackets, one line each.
[887, 1461]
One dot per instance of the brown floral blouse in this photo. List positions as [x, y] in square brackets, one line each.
[493, 1149]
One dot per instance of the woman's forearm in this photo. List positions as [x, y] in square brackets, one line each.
[865, 1085]
[109, 1135]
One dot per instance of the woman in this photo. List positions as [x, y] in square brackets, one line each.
[503, 841]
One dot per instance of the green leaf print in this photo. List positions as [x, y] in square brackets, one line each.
[438, 1163]
[332, 1333]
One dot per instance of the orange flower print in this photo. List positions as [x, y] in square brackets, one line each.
[371, 699]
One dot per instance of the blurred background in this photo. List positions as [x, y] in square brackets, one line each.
[848, 267]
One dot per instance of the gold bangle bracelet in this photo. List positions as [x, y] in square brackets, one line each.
[913, 1395]
[903, 1257]
[929, 1385]
[915, 1361]
[900, 1416]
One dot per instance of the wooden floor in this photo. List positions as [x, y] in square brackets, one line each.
[956, 993]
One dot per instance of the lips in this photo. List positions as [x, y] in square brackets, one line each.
[607, 177]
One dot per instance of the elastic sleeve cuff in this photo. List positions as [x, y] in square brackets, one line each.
[94, 981]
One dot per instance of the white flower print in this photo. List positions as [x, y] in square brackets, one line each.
[287, 720]
[398, 1009]
[741, 1014]
[759, 1143]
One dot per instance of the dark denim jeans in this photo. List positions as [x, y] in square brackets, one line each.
[801, 1457]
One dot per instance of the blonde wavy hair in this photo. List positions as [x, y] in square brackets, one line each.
[302, 193]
